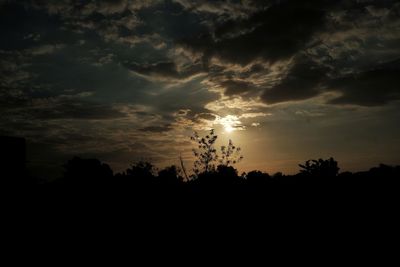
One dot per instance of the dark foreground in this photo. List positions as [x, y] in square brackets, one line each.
[217, 218]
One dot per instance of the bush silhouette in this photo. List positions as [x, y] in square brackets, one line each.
[140, 173]
[86, 171]
[320, 168]
[169, 176]
[143, 175]
[258, 178]
[222, 176]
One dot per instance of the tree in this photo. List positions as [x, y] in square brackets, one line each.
[86, 171]
[206, 155]
[144, 170]
[230, 154]
[169, 175]
[257, 178]
[320, 168]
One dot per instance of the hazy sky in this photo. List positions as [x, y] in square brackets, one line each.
[130, 80]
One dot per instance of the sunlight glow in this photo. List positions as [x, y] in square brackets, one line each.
[230, 123]
[228, 128]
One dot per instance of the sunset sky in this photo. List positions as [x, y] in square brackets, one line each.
[123, 81]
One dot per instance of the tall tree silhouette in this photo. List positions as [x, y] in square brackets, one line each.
[206, 154]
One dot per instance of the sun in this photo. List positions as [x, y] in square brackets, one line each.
[230, 123]
[228, 128]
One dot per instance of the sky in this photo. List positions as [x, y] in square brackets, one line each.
[125, 81]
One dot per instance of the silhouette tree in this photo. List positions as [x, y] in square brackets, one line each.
[228, 175]
[257, 178]
[206, 154]
[143, 170]
[169, 175]
[230, 154]
[221, 177]
[320, 168]
[86, 171]
[13, 161]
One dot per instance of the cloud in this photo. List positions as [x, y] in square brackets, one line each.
[111, 6]
[67, 108]
[306, 79]
[165, 70]
[205, 116]
[254, 115]
[230, 123]
[45, 49]
[157, 129]
[153, 40]
[320, 44]
[369, 88]
[220, 8]
[302, 81]
[237, 87]
[162, 69]
[276, 32]
[138, 5]
[104, 7]
[114, 21]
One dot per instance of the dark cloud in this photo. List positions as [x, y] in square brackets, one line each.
[163, 70]
[60, 109]
[23, 27]
[112, 6]
[205, 116]
[306, 79]
[301, 82]
[222, 8]
[157, 129]
[237, 87]
[267, 33]
[370, 88]
[276, 32]
[76, 110]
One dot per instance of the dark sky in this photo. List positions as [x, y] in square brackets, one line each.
[127, 80]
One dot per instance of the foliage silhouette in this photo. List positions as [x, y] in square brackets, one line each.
[140, 173]
[86, 171]
[170, 175]
[258, 178]
[222, 176]
[320, 168]
[141, 169]
[230, 154]
[143, 177]
[13, 161]
[207, 156]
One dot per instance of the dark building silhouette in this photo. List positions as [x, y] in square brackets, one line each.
[12, 159]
